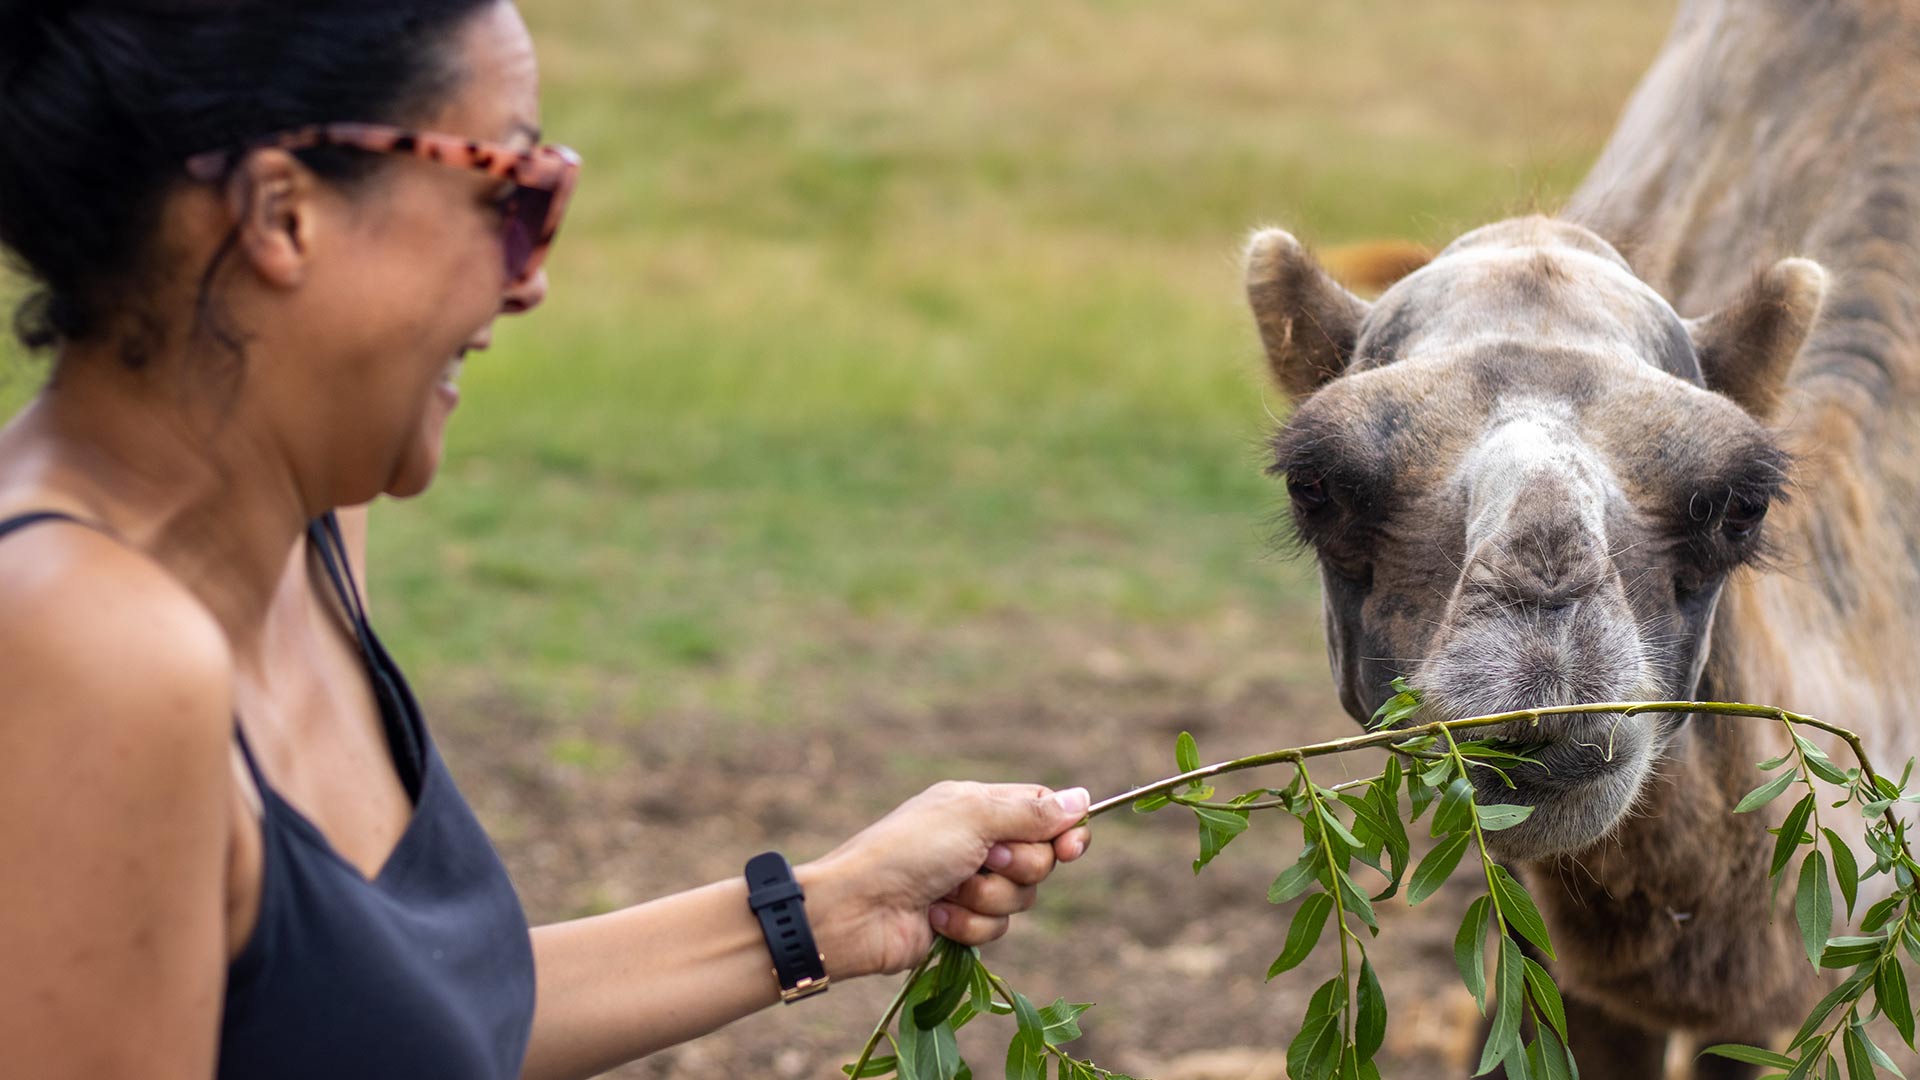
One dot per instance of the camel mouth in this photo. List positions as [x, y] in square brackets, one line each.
[1587, 774]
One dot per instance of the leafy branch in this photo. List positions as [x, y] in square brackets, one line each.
[1367, 821]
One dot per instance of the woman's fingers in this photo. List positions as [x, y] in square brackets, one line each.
[964, 926]
[1026, 864]
[991, 894]
[1072, 844]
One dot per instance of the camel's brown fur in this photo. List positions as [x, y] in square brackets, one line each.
[1519, 490]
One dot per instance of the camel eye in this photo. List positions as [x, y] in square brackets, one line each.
[1744, 514]
[1307, 495]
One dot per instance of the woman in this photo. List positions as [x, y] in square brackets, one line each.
[265, 236]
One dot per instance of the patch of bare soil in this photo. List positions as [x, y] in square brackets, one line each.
[1175, 961]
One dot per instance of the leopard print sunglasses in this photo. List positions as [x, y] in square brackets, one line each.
[543, 177]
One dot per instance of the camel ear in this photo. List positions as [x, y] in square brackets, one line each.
[1746, 347]
[1307, 321]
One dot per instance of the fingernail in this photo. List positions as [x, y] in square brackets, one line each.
[1073, 800]
[938, 917]
[998, 856]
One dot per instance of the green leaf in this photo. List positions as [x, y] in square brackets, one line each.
[1502, 815]
[1186, 754]
[1027, 1053]
[1546, 996]
[1805, 1066]
[1217, 827]
[1859, 1062]
[1303, 933]
[1844, 992]
[1420, 795]
[1339, 830]
[1147, 804]
[1847, 951]
[1399, 849]
[1874, 1053]
[1752, 1055]
[1517, 906]
[1314, 1053]
[1878, 915]
[1792, 833]
[1845, 870]
[1820, 764]
[877, 1065]
[936, 1056]
[1773, 763]
[1470, 950]
[1365, 813]
[1370, 1012]
[1455, 813]
[1434, 870]
[1556, 1059]
[1297, 878]
[981, 995]
[951, 979]
[1764, 794]
[1813, 906]
[1026, 1016]
[1503, 1039]
[1890, 990]
[1403, 704]
[1355, 901]
[1061, 1021]
[1027, 1056]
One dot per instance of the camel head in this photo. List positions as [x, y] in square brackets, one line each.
[1526, 479]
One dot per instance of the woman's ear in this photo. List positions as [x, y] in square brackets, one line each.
[271, 198]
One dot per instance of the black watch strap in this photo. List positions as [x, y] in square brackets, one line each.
[776, 899]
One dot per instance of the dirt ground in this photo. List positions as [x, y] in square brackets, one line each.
[1174, 962]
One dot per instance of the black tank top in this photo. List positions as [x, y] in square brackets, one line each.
[425, 971]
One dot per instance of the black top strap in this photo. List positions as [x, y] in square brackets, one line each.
[323, 536]
[409, 752]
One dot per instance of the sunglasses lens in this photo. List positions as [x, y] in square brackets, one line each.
[525, 229]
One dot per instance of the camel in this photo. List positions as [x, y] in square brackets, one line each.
[1660, 446]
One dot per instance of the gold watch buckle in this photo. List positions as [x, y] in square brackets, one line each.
[805, 988]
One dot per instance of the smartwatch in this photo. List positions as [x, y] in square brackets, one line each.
[778, 902]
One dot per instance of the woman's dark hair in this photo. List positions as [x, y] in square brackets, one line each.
[102, 102]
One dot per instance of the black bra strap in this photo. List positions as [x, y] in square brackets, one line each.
[34, 517]
[246, 752]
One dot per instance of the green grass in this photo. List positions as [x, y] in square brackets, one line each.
[882, 326]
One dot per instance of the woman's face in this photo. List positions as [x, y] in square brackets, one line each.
[414, 281]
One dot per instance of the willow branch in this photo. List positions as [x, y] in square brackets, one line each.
[893, 1010]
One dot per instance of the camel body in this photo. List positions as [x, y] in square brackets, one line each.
[1534, 472]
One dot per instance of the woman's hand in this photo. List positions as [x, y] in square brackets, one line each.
[958, 858]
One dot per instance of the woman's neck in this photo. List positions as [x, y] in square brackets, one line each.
[173, 466]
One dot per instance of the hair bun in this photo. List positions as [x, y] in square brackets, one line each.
[23, 25]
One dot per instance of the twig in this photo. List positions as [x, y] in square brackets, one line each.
[893, 1010]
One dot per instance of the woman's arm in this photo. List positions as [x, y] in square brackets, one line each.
[115, 804]
[965, 857]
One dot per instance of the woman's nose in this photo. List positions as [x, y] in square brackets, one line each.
[526, 294]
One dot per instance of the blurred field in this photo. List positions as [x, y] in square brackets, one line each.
[909, 317]
[895, 415]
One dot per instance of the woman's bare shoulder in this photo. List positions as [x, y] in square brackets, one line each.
[95, 627]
